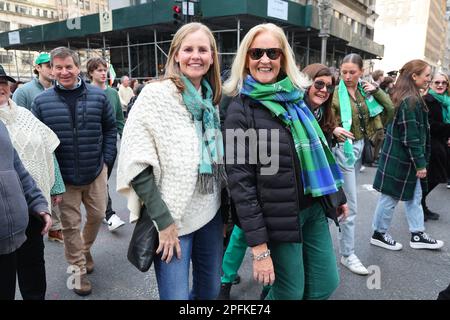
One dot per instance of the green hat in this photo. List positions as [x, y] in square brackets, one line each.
[43, 57]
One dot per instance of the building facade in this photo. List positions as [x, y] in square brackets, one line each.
[411, 29]
[20, 14]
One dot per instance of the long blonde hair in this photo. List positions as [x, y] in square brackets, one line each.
[173, 71]
[239, 70]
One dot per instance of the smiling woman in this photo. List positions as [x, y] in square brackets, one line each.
[268, 90]
[171, 161]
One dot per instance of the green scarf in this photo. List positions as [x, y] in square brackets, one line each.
[346, 118]
[444, 99]
[207, 124]
[319, 172]
[346, 115]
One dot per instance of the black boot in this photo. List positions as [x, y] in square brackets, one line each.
[224, 293]
[428, 214]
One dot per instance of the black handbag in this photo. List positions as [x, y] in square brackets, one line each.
[143, 243]
[367, 153]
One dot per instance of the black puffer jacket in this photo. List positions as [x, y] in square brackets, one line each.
[88, 140]
[267, 205]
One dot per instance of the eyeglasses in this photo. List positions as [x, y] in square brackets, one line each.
[438, 83]
[258, 53]
[319, 85]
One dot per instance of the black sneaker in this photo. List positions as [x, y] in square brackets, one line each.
[384, 240]
[224, 293]
[237, 279]
[421, 240]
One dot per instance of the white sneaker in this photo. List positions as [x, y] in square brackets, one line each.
[354, 265]
[362, 169]
[114, 222]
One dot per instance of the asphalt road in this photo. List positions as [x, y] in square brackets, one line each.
[406, 274]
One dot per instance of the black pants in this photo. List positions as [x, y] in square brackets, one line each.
[31, 263]
[8, 268]
[109, 211]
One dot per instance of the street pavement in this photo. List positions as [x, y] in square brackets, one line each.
[407, 274]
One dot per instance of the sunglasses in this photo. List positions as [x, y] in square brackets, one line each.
[319, 85]
[258, 53]
[438, 83]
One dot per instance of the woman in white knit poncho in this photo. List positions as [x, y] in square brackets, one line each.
[166, 166]
[35, 144]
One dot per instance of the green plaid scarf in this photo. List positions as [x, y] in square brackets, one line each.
[207, 124]
[320, 173]
[444, 99]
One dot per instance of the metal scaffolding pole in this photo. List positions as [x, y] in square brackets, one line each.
[104, 48]
[129, 54]
[155, 38]
[238, 34]
[308, 39]
[31, 64]
[17, 66]
[88, 48]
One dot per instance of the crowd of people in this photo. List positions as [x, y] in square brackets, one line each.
[187, 159]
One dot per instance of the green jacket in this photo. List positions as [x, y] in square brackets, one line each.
[372, 124]
[406, 150]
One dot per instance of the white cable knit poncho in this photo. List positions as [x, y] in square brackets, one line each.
[35, 144]
[160, 132]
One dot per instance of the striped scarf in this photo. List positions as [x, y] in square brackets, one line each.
[319, 171]
[207, 124]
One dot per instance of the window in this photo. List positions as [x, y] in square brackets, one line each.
[46, 13]
[2, 5]
[337, 15]
[87, 5]
[38, 12]
[6, 58]
[22, 25]
[5, 26]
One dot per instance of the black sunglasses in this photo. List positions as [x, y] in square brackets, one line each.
[258, 53]
[319, 85]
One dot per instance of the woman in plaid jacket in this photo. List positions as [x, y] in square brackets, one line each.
[403, 160]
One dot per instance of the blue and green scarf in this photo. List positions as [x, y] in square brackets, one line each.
[444, 99]
[207, 124]
[319, 171]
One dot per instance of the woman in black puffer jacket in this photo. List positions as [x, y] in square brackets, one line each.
[275, 186]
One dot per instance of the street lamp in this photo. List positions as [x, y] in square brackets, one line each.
[325, 14]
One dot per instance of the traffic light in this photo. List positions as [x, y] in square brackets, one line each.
[177, 15]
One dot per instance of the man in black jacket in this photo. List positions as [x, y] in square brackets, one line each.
[19, 196]
[83, 120]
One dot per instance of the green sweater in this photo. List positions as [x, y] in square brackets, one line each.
[25, 95]
[113, 98]
[145, 187]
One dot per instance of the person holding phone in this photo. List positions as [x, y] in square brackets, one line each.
[360, 110]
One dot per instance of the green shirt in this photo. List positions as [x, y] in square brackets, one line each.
[113, 98]
[25, 95]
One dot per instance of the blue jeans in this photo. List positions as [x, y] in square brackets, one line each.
[413, 209]
[204, 247]
[347, 235]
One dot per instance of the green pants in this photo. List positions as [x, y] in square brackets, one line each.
[305, 270]
[234, 255]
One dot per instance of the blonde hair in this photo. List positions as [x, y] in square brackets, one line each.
[440, 73]
[239, 71]
[173, 71]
